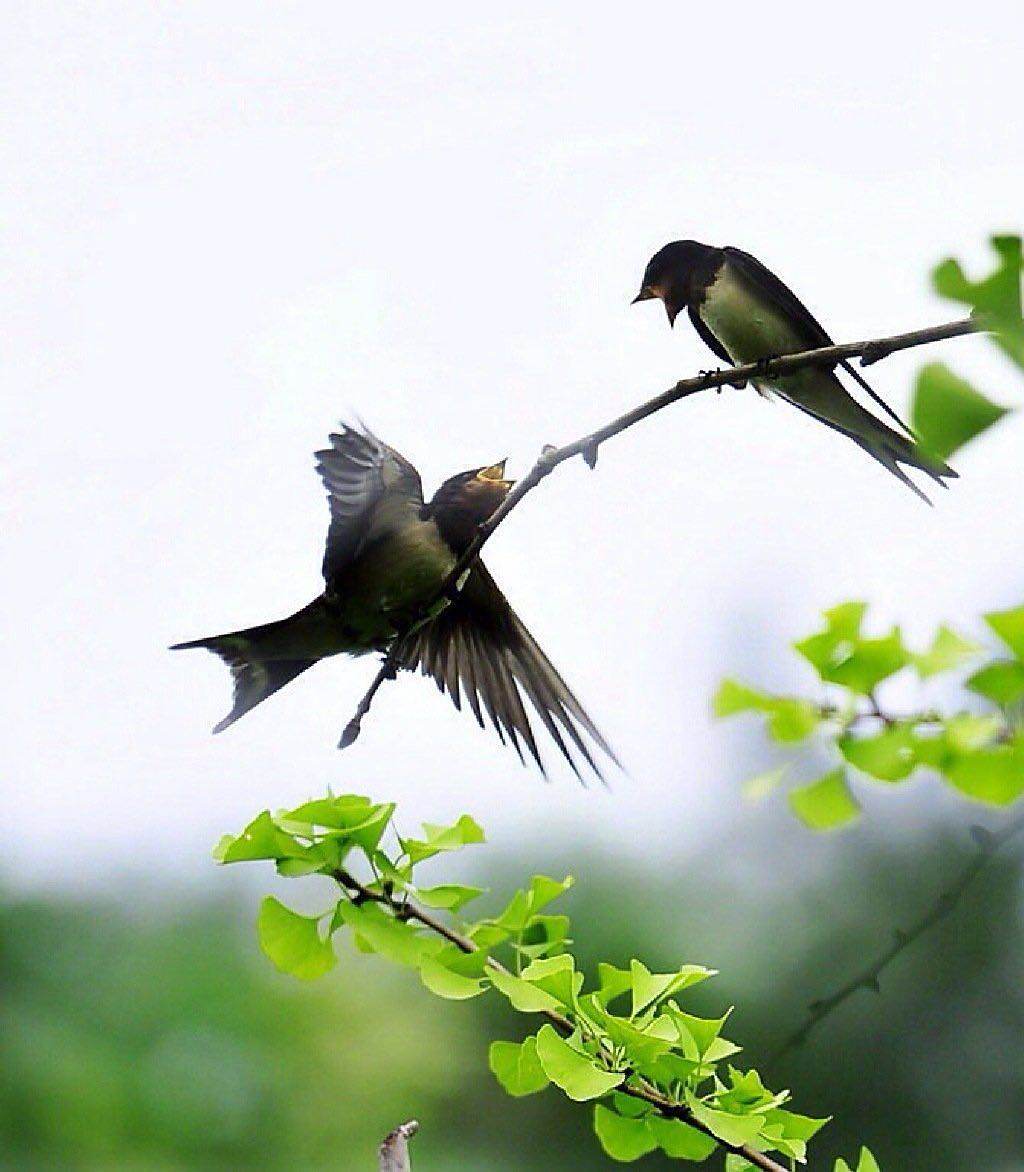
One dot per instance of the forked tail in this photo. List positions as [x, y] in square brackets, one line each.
[832, 405]
[891, 450]
[256, 674]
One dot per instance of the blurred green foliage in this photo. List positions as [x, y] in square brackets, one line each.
[995, 299]
[158, 1039]
[947, 411]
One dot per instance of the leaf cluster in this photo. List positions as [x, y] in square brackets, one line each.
[978, 749]
[657, 1076]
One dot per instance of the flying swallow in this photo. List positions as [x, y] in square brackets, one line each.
[746, 314]
[388, 554]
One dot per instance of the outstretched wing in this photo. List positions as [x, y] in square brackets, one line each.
[479, 648]
[360, 473]
[788, 303]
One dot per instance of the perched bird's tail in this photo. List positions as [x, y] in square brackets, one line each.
[839, 410]
[254, 657]
[891, 450]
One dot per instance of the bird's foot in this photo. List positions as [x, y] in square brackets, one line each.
[719, 370]
[764, 363]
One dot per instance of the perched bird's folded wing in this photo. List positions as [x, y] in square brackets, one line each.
[478, 647]
[359, 472]
[780, 295]
[815, 334]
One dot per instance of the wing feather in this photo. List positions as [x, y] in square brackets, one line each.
[360, 473]
[478, 646]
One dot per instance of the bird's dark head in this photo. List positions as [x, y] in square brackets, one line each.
[465, 501]
[668, 275]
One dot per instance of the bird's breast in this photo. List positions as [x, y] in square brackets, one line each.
[747, 324]
[391, 580]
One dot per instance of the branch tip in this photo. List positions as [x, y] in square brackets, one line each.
[350, 734]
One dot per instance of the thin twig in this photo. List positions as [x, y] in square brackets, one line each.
[872, 350]
[988, 843]
[408, 910]
[874, 715]
[639, 1090]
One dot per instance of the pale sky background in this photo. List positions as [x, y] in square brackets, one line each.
[227, 225]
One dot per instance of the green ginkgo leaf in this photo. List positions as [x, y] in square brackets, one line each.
[293, 942]
[825, 804]
[576, 1074]
[516, 1066]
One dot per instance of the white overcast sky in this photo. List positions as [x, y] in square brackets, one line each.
[227, 225]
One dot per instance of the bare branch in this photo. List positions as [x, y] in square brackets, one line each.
[988, 843]
[393, 1153]
[635, 1087]
[587, 446]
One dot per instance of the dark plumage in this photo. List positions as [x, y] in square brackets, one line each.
[388, 553]
[745, 313]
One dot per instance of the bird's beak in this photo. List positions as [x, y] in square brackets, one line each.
[496, 472]
[645, 294]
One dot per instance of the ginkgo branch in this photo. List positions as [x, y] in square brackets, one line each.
[870, 351]
[635, 1087]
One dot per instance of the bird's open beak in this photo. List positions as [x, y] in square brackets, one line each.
[645, 294]
[495, 472]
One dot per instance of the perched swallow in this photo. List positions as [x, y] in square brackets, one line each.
[746, 314]
[388, 554]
